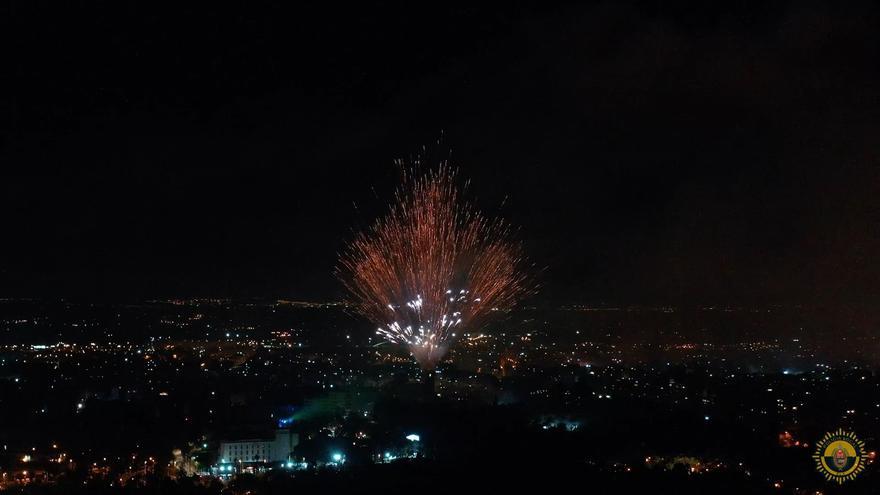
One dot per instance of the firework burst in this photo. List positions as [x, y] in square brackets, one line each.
[432, 267]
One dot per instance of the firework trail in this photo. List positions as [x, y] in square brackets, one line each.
[432, 267]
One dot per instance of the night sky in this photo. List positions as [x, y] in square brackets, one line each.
[651, 152]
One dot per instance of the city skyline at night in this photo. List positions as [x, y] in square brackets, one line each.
[401, 247]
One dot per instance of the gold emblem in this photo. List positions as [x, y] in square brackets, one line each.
[840, 456]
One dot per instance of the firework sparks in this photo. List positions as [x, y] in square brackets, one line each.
[432, 267]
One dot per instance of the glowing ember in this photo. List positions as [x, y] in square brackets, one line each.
[432, 267]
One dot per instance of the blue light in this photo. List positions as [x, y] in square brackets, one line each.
[413, 437]
[337, 457]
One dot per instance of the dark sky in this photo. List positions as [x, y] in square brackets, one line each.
[650, 151]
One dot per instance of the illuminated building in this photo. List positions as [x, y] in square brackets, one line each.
[247, 451]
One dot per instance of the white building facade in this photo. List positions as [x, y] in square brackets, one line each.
[276, 449]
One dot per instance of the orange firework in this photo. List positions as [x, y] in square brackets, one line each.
[432, 267]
